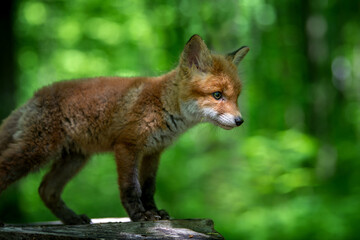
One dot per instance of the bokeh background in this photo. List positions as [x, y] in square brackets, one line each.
[290, 172]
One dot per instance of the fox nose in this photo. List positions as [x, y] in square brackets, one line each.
[239, 121]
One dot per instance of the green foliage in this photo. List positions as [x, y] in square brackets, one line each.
[289, 173]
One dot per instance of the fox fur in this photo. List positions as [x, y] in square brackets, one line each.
[136, 118]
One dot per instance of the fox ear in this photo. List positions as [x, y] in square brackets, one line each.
[237, 56]
[196, 53]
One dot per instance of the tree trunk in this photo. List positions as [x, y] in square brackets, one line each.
[166, 229]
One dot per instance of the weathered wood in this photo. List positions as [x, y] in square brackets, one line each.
[165, 229]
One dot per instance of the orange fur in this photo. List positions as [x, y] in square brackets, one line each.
[136, 118]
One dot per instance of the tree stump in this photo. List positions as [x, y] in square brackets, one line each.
[114, 229]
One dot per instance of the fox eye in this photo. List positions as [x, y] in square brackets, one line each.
[217, 95]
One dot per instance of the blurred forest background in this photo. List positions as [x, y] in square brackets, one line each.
[290, 172]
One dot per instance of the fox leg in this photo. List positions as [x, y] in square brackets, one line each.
[148, 169]
[127, 160]
[53, 184]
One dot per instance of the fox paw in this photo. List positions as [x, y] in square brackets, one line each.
[77, 220]
[143, 216]
[151, 215]
[163, 214]
[85, 219]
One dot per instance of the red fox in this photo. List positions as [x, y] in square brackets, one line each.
[136, 118]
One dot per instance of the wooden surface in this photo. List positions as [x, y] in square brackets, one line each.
[113, 229]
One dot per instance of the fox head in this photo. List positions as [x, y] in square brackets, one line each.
[209, 84]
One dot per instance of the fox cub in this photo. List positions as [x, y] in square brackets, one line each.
[136, 118]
